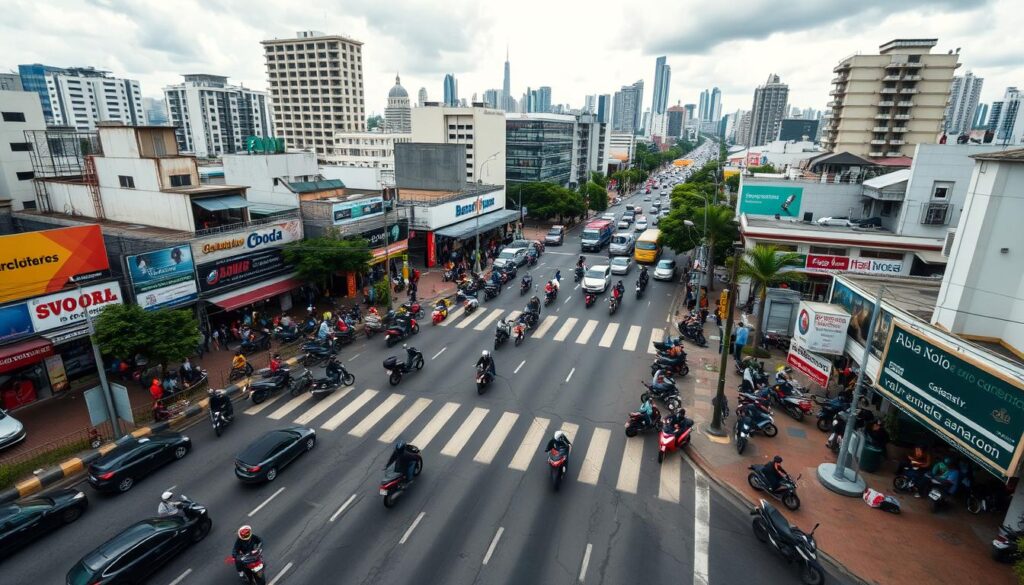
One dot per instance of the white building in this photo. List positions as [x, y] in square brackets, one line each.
[19, 111]
[591, 145]
[963, 101]
[481, 129]
[81, 97]
[621, 146]
[213, 118]
[1006, 119]
[268, 176]
[398, 113]
[373, 150]
[779, 153]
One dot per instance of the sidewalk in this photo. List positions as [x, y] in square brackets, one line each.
[916, 546]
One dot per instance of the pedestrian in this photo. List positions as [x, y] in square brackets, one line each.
[205, 332]
[156, 390]
[741, 340]
[412, 291]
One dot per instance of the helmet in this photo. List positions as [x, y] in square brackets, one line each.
[559, 436]
[485, 353]
[166, 496]
[777, 459]
[245, 532]
[405, 346]
[399, 446]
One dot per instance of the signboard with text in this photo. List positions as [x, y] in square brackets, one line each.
[821, 327]
[817, 368]
[263, 237]
[380, 237]
[162, 278]
[349, 211]
[435, 217]
[771, 200]
[68, 306]
[226, 272]
[36, 263]
[846, 264]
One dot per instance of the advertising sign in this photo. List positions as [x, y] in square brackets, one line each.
[859, 308]
[55, 371]
[843, 263]
[68, 307]
[36, 263]
[821, 327]
[814, 366]
[382, 236]
[163, 277]
[15, 322]
[348, 211]
[976, 407]
[435, 217]
[771, 200]
[271, 235]
[214, 276]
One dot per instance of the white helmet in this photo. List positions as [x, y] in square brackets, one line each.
[485, 353]
[559, 436]
[167, 496]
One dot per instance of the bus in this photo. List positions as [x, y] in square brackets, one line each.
[648, 249]
[596, 235]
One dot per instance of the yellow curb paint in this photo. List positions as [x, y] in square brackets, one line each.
[28, 486]
[71, 466]
[106, 448]
[141, 432]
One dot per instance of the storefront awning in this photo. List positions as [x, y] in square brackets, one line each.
[222, 203]
[268, 209]
[931, 257]
[468, 228]
[19, 355]
[257, 292]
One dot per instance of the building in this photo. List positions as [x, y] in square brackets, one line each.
[621, 147]
[398, 113]
[628, 106]
[1006, 119]
[543, 99]
[10, 82]
[715, 105]
[980, 117]
[540, 147]
[591, 145]
[703, 107]
[492, 97]
[675, 122]
[779, 153]
[81, 97]
[659, 100]
[212, 118]
[316, 89]
[20, 111]
[798, 129]
[604, 108]
[743, 128]
[33, 78]
[964, 94]
[883, 105]
[507, 101]
[451, 91]
[156, 111]
[422, 97]
[269, 179]
[374, 150]
[767, 111]
[481, 129]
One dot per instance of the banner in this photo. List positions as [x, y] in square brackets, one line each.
[55, 370]
[349, 211]
[814, 366]
[383, 236]
[271, 235]
[214, 276]
[15, 322]
[163, 277]
[821, 327]
[860, 308]
[68, 307]
[771, 200]
[36, 263]
[845, 264]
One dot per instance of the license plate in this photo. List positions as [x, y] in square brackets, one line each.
[383, 492]
[935, 495]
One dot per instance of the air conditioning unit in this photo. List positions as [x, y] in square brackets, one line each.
[947, 246]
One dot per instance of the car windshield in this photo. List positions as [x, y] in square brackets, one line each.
[620, 240]
[590, 234]
[620, 261]
[506, 254]
[79, 575]
[647, 245]
[667, 264]
[596, 273]
[554, 232]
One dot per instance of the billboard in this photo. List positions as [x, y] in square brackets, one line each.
[68, 307]
[380, 237]
[977, 408]
[821, 327]
[846, 264]
[36, 263]
[15, 322]
[226, 272]
[163, 278]
[262, 237]
[771, 200]
[349, 211]
[814, 366]
[859, 308]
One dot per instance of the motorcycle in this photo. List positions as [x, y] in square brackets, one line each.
[483, 379]
[589, 299]
[263, 389]
[667, 343]
[1004, 545]
[525, 285]
[639, 290]
[286, 335]
[558, 460]
[502, 333]
[770, 527]
[760, 414]
[394, 483]
[239, 373]
[790, 400]
[674, 367]
[828, 413]
[398, 284]
[549, 297]
[336, 375]
[440, 311]
[219, 420]
[785, 493]
[374, 324]
[668, 441]
[251, 346]
[400, 330]
[531, 260]
[669, 396]
[316, 354]
[578, 274]
[692, 331]
[491, 290]
[637, 423]
[449, 275]
[396, 369]
[412, 309]
[742, 429]
[519, 330]
[613, 304]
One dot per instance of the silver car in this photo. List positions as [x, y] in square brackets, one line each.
[597, 278]
[622, 244]
[621, 264]
[665, 270]
[12, 431]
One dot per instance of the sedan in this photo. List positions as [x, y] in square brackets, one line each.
[12, 431]
[621, 264]
[608, 217]
[510, 257]
[665, 270]
[597, 278]
[118, 470]
[623, 225]
[262, 460]
[27, 520]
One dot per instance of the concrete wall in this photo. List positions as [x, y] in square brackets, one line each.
[11, 163]
[486, 127]
[430, 166]
[70, 198]
[258, 171]
[821, 199]
[119, 142]
[354, 177]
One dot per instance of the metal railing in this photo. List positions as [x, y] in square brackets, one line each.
[294, 214]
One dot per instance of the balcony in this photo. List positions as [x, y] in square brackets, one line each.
[935, 214]
[899, 129]
[880, 129]
[838, 91]
[879, 142]
[840, 79]
[905, 104]
[897, 142]
[886, 104]
[886, 90]
[908, 90]
[902, 116]
[876, 153]
[835, 104]
[894, 153]
[882, 116]
[891, 78]
[911, 78]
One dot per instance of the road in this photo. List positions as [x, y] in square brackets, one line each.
[483, 510]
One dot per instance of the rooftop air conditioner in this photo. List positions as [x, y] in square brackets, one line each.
[947, 246]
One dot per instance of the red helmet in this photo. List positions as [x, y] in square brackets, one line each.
[245, 532]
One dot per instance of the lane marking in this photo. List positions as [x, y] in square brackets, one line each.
[701, 527]
[590, 469]
[519, 367]
[265, 502]
[567, 301]
[648, 304]
[466, 430]
[577, 287]
[378, 413]
[531, 442]
[290, 406]
[181, 577]
[342, 508]
[512, 316]
[544, 326]
[656, 335]
[563, 332]
[410, 414]
[569, 377]
[570, 430]
[353, 358]
[609, 335]
[350, 409]
[439, 353]
[259, 407]
[497, 437]
[586, 561]
[668, 483]
[452, 314]
[632, 337]
[494, 543]
[629, 470]
[484, 324]
[322, 406]
[408, 532]
[434, 426]
[588, 330]
[278, 577]
[470, 318]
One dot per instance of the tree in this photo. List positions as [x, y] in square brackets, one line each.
[722, 231]
[768, 168]
[164, 336]
[733, 183]
[375, 121]
[765, 265]
[318, 259]
[599, 178]
[595, 195]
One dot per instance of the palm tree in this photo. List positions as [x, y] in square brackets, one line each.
[721, 227]
[765, 266]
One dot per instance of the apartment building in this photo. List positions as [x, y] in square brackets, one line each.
[19, 111]
[481, 129]
[81, 97]
[212, 118]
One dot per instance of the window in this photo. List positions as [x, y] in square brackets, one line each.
[13, 116]
[26, 175]
[126, 181]
[942, 189]
[887, 207]
[829, 251]
[785, 247]
[881, 254]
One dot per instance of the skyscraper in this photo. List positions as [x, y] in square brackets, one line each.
[691, 111]
[1007, 118]
[506, 89]
[963, 101]
[544, 99]
[156, 111]
[451, 90]
[422, 98]
[398, 113]
[980, 116]
[702, 109]
[212, 118]
[590, 104]
[675, 123]
[628, 108]
[767, 112]
[492, 97]
[715, 105]
[604, 108]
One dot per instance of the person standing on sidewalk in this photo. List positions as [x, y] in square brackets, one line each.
[741, 341]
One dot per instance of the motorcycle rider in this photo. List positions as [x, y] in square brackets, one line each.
[558, 277]
[581, 263]
[617, 291]
[774, 473]
[560, 441]
[647, 410]
[404, 461]
[549, 289]
[527, 281]
[333, 370]
[487, 361]
[239, 362]
[245, 544]
[275, 363]
[643, 277]
[324, 331]
[220, 402]
[679, 422]
[660, 384]
[168, 507]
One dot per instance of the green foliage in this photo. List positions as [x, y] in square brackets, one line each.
[548, 200]
[765, 266]
[1018, 567]
[317, 259]
[382, 292]
[599, 178]
[374, 122]
[595, 195]
[629, 178]
[769, 168]
[162, 336]
[733, 183]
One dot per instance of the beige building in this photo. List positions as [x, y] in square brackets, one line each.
[375, 150]
[316, 88]
[481, 129]
[882, 105]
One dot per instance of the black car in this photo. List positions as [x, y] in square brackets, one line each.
[27, 520]
[139, 550]
[264, 458]
[118, 470]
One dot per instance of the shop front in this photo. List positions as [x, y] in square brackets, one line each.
[447, 226]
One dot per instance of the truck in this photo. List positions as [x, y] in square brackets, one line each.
[778, 316]
[596, 235]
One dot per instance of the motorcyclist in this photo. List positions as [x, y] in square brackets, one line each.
[404, 460]
[533, 307]
[549, 289]
[559, 441]
[643, 276]
[168, 507]
[558, 277]
[495, 278]
[324, 331]
[220, 402]
[487, 361]
[774, 473]
[275, 363]
[527, 281]
[239, 362]
[581, 263]
[647, 410]
[333, 370]
[660, 384]
[678, 421]
[245, 544]
[410, 354]
[674, 354]
[619, 290]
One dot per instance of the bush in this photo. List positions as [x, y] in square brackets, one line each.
[10, 473]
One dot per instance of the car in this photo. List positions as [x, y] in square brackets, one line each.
[836, 221]
[139, 550]
[26, 520]
[511, 257]
[12, 431]
[655, 208]
[266, 456]
[597, 278]
[555, 235]
[610, 216]
[622, 243]
[641, 224]
[646, 198]
[532, 246]
[621, 264]
[655, 220]
[127, 463]
[623, 224]
[663, 213]
[664, 192]
[665, 270]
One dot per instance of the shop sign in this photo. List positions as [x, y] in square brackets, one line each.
[31, 354]
[859, 307]
[214, 276]
[817, 368]
[349, 211]
[391, 250]
[55, 371]
[273, 235]
[845, 264]
[15, 322]
[68, 307]
[36, 263]
[821, 327]
[973, 405]
[475, 207]
[771, 200]
[380, 237]
[163, 277]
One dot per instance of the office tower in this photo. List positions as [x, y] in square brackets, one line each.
[507, 102]
[398, 113]
[81, 97]
[212, 118]
[659, 100]
[702, 109]
[492, 97]
[316, 88]
[963, 101]
[451, 90]
[884, 105]
[715, 105]
[422, 97]
[743, 128]
[691, 112]
[589, 104]
[544, 99]
[767, 112]
[1005, 118]
[604, 108]
[980, 117]
[675, 125]
[156, 111]
[626, 116]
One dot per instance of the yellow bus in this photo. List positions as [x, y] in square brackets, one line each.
[648, 249]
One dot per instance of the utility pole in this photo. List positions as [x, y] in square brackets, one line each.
[716, 417]
[115, 423]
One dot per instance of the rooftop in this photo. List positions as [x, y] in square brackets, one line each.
[434, 197]
[766, 227]
[205, 189]
[889, 179]
[914, 294]
[770, 222]
[1015, 155]
[313, 186]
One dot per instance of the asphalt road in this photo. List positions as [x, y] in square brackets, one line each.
[483, 510]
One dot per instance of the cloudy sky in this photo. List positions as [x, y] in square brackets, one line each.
[576, 47]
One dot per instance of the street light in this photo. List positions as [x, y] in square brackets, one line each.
[483, 165]
[707, 252]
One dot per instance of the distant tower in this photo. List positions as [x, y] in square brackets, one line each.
[506, 90]
[398, 113]
[422, 97]
[451, 90]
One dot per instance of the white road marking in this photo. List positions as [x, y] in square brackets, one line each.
[290, 406]
[567, 301]
[490, 447]
[701, 527]
[322, 406]
[563, 332]
[648, 304]
[353, 358]
[528, 448]
[570, 430]
[410, 414]
[577, 287]
[632, 337]
[434, 426]
[512, 316]
[265, 502]
[452, 314]
[519, 366]
[569, 377]
[439, 353]
[484, 324]
[181, 577]
[374, 417]
[466, 430]
[470, 318]
[629, 470]
[609, 335]
[350, 409]
[668, 483]
[171, 489]
[586, 561]
[408, 532]
[590, 469]
[259, 407]
[588, 330]
[280, 575]
[494, 543]
[656, 335]
[343, 507]
[544, 326]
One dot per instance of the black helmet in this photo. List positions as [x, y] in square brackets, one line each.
[399, 446]
[777, 459]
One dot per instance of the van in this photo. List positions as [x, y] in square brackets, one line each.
[595, 235]
[555, 235]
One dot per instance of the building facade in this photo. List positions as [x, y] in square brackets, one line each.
[540, 147]
[10, 82]
[964, 93]
[481, 129]
[767, 111]
[451, 91]
[798, 129]
[628, 108]
[422, 97]
[82, 97]
[212, 118]
[675, 124]
[1006, 119]
[20, 111]
[156, 111]
[659, 99]
[375, 150]
[398, 113]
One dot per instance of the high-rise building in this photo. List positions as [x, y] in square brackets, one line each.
[604, 108]
[398, 113]
[22, 111]
[626, 116]
[451, 91]
[482, 130]
[980, 117]
[492, 97]
[591, 145]
[715, 105]
[80, 97]
[10, 82]
[507, 102]
[316, 88]
[691, 111]
[1006, 119]
[964, 93]
[884, 105]
[212, 118]
[659, 101]
[797, 129]
[743, 128]
[590, 104]
[156, 111]
[33, 78]
[543, 104]
[767, 111]
[539, 147]
[645, 123]
[704, 107]
[422, 97]
[676, 122]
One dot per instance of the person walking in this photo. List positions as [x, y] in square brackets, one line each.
[742, 333]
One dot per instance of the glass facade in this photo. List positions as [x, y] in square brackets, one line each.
[538, 150]
[33, 78]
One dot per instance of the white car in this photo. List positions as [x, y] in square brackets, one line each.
[839, 221]
[665, 270]
[12, 431]
[608, 216]
[597, 278]
[623, 225]
[621, 264]
[510, 257]
[641, 224]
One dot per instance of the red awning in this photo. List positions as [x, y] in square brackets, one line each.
[19, 355]
[252, 294]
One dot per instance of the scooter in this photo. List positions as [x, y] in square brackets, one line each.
[1004, 545]
[400, 330]
[669, 442]
[589, 299]
[502, 333]
[394, 483]
[412, 309]
[558, 460]
[578, 274]
[667, 343]
[440, 311]
[674, 367]
[760, 414]
[239, 373]
[316, 355]
[637, 423]
[263, 389]
[337, 375]
[483, 379]
[669, 396]
[396, 369]
[219, 420]
[613, 304]
[828, 413]
[525, 285]
[793, 403]
[519, 331]
[770, 527]
[374, 324]
[286, 335]
[786, 492]
[639, 290]
[491, 290]
[261, 343]
[549, 297]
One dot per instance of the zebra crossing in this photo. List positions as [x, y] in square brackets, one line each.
[482, 434]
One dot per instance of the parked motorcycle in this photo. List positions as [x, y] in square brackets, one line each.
[669, 396]
[669, 442]
[1004, 545]
[261, 343]
[692, 331]
[396, 369]
[316, 354]
[491, 290]
[829, 411]
[400, 330]
[770, 527]
[286, 335]
[483, 379]
[791, 401]
[394, 483]
[674, 367]
[637, 423]
[411, 309]
[263, 389]
[374, 324]
[785, 493]
[760, 414]
[558, 460]
[742, 429]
